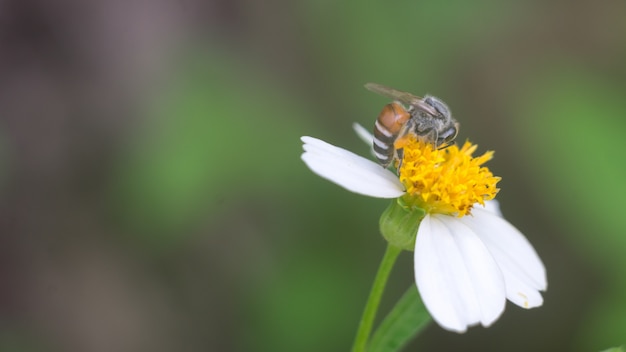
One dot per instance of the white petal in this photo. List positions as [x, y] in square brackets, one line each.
[519, 292]
[458, 280]
[524, 273]
[363, 133]
[349, 170]
[365, 136]
[493, 206]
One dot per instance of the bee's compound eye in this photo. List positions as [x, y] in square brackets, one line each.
[439, 105]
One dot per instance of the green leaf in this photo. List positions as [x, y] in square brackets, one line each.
[407, 319]
[614, 349]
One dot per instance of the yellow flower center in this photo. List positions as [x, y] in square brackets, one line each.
[448, 181]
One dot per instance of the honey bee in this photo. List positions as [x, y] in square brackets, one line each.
[427, 118]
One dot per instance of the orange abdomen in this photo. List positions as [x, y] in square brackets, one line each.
[393, 117]
[390, 122]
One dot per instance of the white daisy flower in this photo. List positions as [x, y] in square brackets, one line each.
[468, 260]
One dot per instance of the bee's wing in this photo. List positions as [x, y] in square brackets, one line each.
[403, 97]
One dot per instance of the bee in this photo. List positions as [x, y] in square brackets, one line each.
[427, 118]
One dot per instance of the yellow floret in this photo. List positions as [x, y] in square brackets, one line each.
[448, 181]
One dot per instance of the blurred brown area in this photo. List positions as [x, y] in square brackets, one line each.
[78, 88]
[74, 75]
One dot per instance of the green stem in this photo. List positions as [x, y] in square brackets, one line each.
[367, 320]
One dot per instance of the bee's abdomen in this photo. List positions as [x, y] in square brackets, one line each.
[383, 144]
[388, 125]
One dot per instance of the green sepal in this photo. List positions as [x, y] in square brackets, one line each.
[399, 224]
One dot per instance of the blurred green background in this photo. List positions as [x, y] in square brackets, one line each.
[152, 196]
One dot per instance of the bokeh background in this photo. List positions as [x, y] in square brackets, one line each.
[152, 196]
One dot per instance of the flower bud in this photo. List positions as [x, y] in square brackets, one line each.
[399, 224]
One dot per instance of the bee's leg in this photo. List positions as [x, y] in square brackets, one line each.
[428, 132]
[399, 154]
[445, 144]
[449, 136]
[431, 135]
